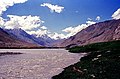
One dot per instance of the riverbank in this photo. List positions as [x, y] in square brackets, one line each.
[102, 62]
[35, 63]
[32, 47]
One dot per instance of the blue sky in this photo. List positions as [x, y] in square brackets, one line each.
[75, 12]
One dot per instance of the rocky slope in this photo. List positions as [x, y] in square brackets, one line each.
[8, 40]
[99, 32]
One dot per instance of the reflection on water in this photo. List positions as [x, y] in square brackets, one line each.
[35, 63]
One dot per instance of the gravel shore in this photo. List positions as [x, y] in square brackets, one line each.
[35, 63]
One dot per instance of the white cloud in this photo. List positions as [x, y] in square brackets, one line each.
[44, 27]
[31, 23]
[38, 33]
[76, 11]
[28, 23]
[69, 29]
[74, 30]
[4, 4]
[88, 23]
[1, 22]
[56, 35]
[23, 22]
[41, 32]
[98, 18]
[89, 19]
[53, 8]
[116, 14]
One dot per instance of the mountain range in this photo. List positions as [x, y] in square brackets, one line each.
[8, 40]
[21, 34]
[99, 32]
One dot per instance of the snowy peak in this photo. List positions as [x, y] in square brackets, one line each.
[41, 40]
[8, 40]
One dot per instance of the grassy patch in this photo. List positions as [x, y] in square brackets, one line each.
[96, 47]
[103, 62]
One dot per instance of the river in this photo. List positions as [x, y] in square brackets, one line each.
[35, 63]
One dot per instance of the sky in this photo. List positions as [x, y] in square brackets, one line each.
[56, 18]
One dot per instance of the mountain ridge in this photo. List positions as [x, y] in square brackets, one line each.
[99, 32]
[40, 41]
[7, 40]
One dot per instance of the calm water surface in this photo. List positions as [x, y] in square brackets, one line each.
[35, 63]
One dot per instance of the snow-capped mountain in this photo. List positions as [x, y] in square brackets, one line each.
[47, 40]
[21, 34]
[42, 40]
[9, 40]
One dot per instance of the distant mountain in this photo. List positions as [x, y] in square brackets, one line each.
[99, 32]
[43, 40]
[48, 42]
[8, 40]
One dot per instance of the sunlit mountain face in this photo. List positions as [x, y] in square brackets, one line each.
[55, 19]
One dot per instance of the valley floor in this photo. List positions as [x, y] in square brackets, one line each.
[35, 63]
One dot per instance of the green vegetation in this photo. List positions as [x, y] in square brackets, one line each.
[102, 62]
[96, 47]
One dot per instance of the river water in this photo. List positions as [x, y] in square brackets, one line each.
[35, 63]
